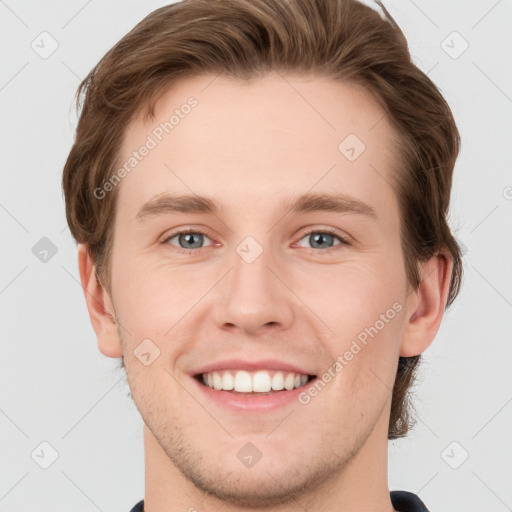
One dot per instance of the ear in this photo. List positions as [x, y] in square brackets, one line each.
[99, 305]
[425, 306]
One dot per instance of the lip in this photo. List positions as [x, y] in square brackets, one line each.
[246, 403]
[239, 364]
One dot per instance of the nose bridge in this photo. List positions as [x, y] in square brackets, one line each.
[251, 275]
[254, 297]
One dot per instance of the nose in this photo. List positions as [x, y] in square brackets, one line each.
[254, 297]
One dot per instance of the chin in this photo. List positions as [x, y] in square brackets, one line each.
[262, 488]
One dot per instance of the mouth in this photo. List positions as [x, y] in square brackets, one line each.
[254, 383]
[240, 386]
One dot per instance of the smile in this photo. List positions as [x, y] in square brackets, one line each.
[261, 381]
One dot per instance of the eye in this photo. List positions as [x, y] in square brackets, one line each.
[324, 239]
[187, 239]
[193, 239]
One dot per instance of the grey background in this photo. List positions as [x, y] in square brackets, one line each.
[56, 387]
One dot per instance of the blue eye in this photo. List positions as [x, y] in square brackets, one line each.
[188, 239]
[319, 239]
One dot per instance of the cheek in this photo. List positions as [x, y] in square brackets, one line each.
[363, 308]
[152, 300]
[352, 296]
[153, 390]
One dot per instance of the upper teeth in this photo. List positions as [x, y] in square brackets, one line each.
[260, 381]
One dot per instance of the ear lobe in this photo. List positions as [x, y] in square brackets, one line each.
[425, 306]
[99, 305]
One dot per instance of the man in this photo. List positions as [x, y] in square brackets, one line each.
[259, 190]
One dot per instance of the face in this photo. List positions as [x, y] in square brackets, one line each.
[292, 266]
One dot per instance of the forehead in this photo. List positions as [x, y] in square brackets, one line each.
[217, 136]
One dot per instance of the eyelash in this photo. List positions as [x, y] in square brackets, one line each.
[328, 231]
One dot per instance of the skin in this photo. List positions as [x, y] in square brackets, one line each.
[249, 145]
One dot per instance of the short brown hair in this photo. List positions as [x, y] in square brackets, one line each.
[343, 40]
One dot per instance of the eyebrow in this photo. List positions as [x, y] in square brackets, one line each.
[305, 203]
